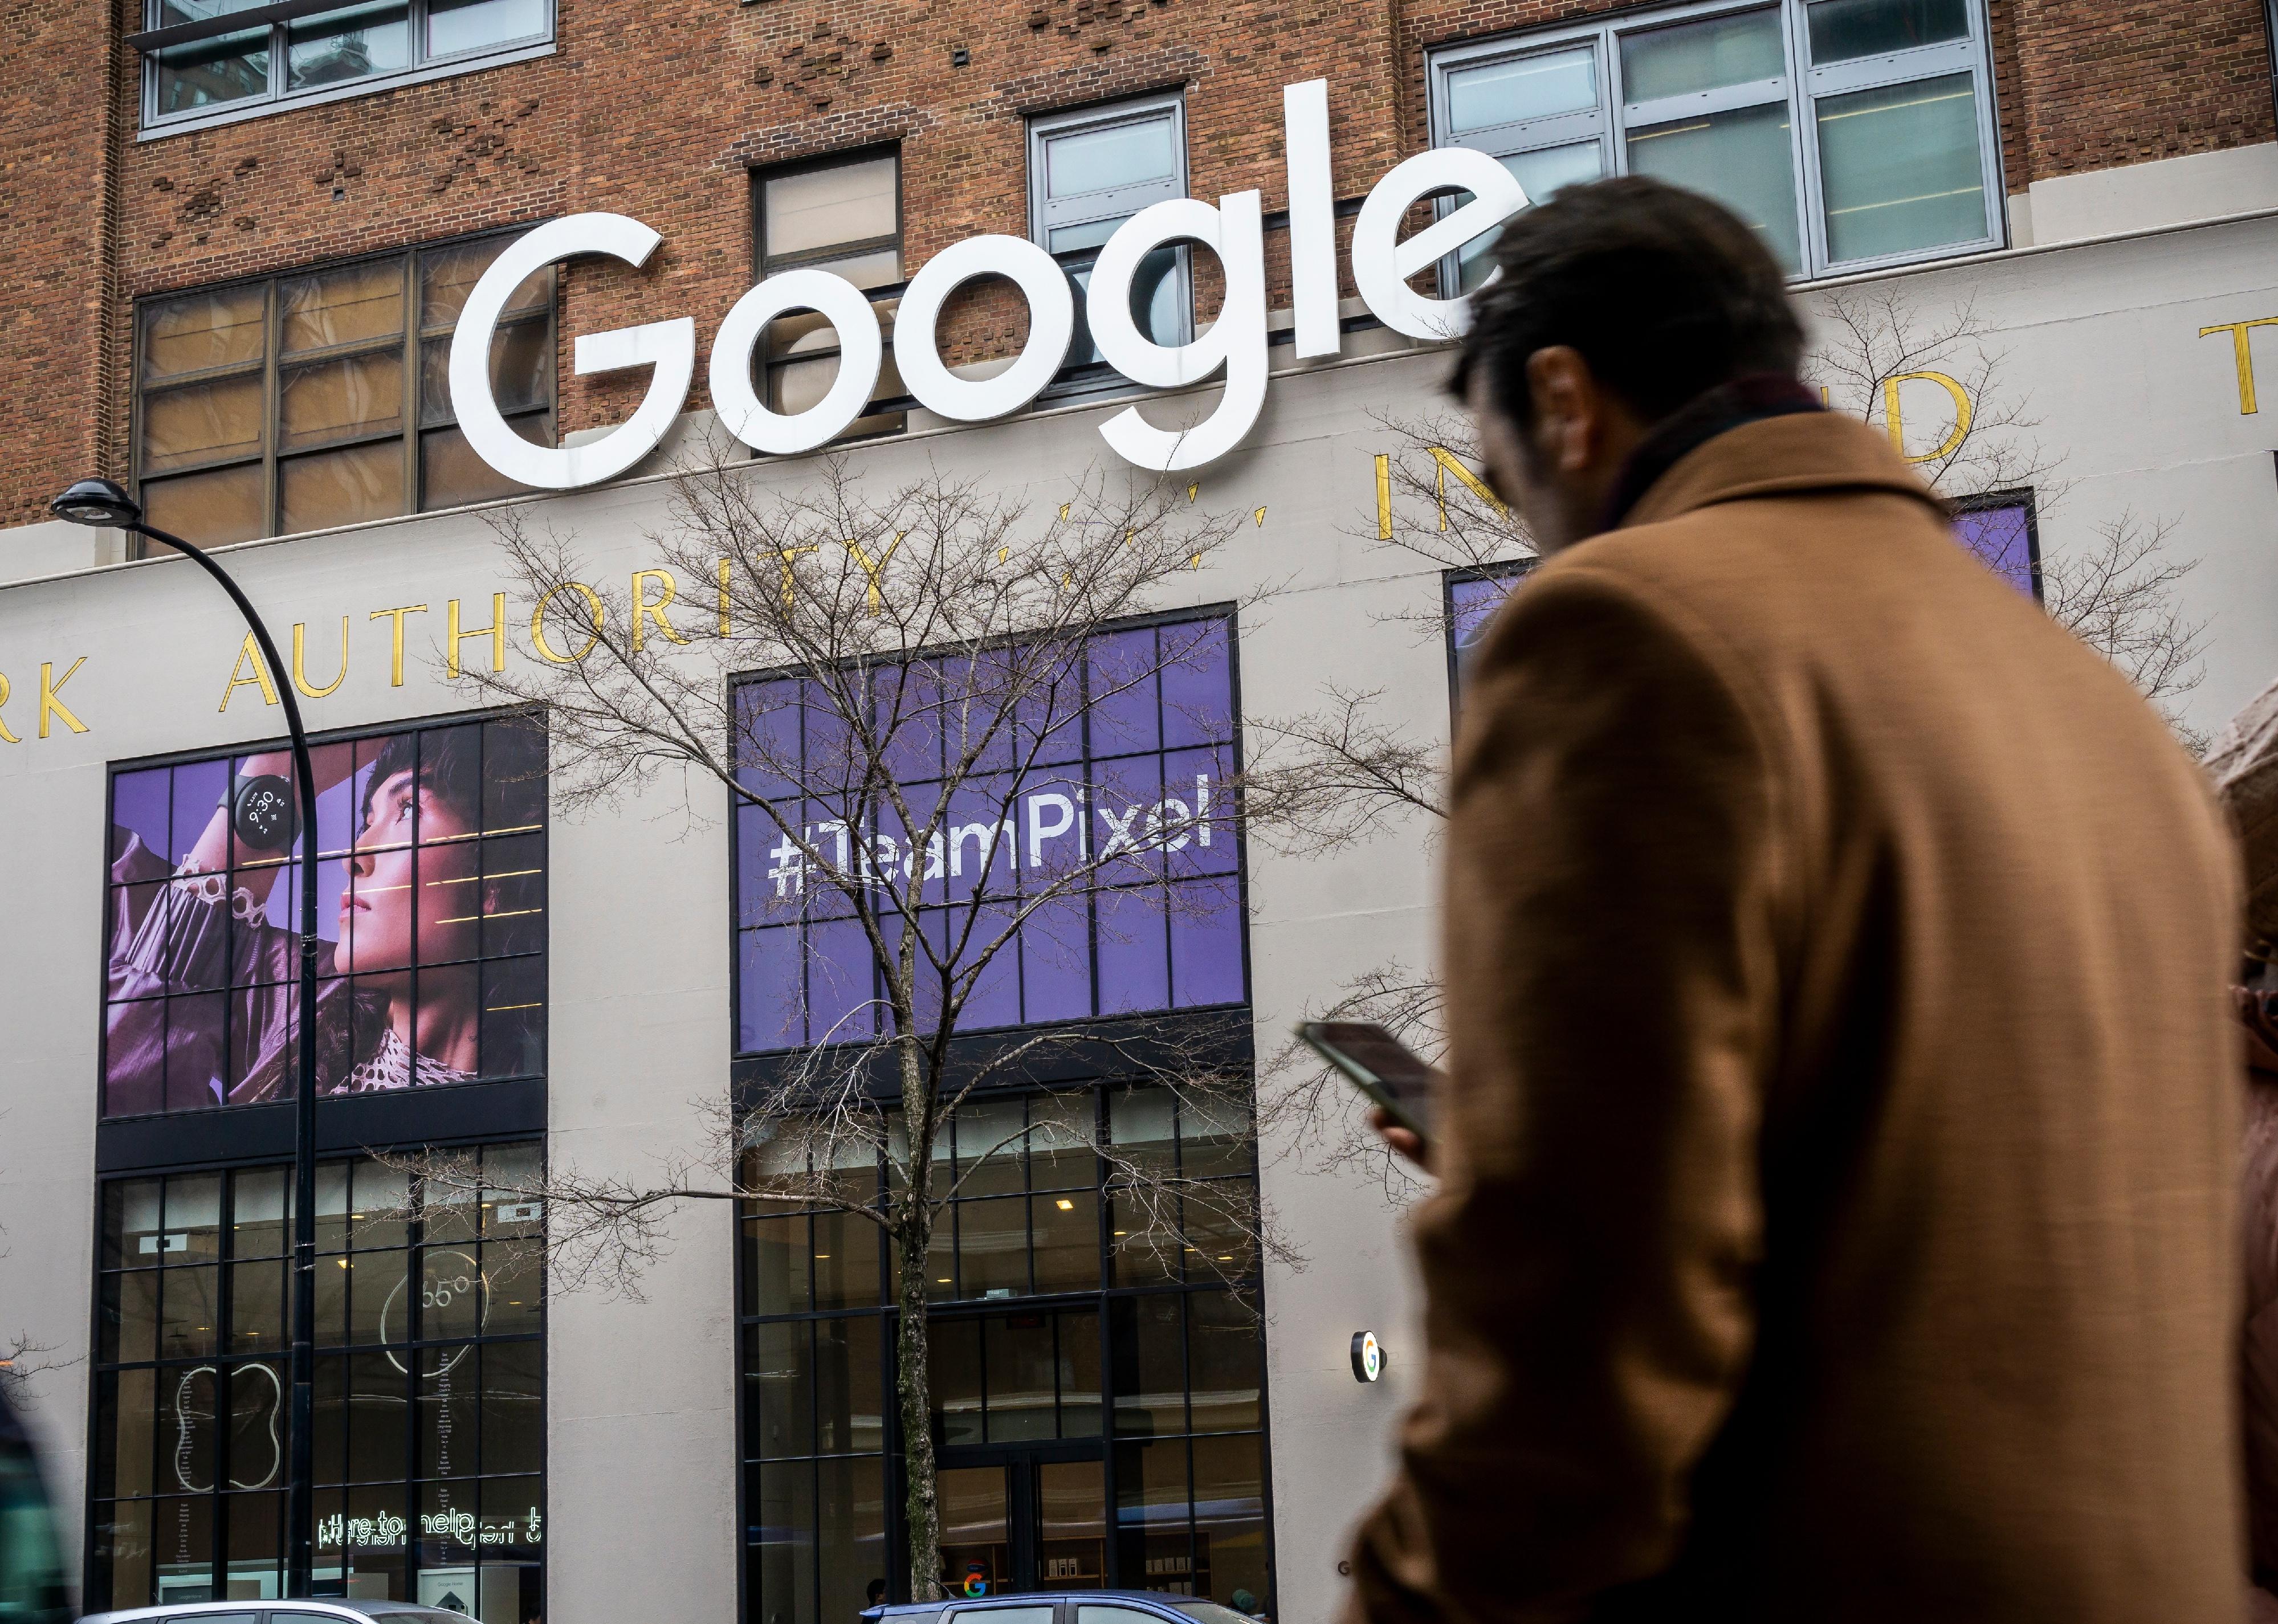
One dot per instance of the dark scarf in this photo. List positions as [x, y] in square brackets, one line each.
[1700, 420]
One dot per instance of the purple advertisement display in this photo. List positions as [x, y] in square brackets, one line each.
[430, 887]
[1091, 841]
[2003, 537]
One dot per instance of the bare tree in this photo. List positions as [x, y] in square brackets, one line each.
[910, 785]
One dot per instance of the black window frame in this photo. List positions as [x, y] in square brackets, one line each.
[415, 421]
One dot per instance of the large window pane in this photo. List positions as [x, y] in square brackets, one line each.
[203, 330]
[214, 508]
[355, 303]
[210, 72]
[1121, 155]
[1017, 1350]
[819, 208]
[1152, 1530]
[1708, 55]
[1557, 81]
[335, 400]
[1842, 29]
[1900, 168]
[450, 473]
[849, 1396]
[1229, 1516]
[201, 423]
[1148, 1362]
[455, 26]
[1742, 159]
[1225, 1361]
[340, 487]
[447, 276]
[849, 1504]
[353, 42]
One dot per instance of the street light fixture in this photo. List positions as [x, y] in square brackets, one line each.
[103, 505]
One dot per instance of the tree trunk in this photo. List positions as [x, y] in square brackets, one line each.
[921, 1511]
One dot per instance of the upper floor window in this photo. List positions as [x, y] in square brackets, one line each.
[841, 215]
[1089, 171]
[196, 64]
[324, 398]
[1472, 597]
[1848, 133]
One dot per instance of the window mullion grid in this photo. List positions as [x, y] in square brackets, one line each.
[414, 382]
[1796, 39]
[271, 414]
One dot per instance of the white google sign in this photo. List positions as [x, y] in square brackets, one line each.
[1236, 343]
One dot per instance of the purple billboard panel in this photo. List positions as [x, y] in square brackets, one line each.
[2002, 533]
[430, 870]
[1089, 857]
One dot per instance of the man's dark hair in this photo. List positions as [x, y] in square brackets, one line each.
[1665, 293]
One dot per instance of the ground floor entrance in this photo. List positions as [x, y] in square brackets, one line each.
[1023, 1517]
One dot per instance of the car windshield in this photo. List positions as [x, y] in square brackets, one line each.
[1211, 1613]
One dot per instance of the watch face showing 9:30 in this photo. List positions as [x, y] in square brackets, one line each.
[264, 815]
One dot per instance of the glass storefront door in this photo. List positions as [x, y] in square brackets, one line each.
[1013, 1521]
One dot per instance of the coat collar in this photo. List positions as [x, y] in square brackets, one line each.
[1788, 454]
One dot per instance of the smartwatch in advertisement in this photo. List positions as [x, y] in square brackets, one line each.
[263, 813]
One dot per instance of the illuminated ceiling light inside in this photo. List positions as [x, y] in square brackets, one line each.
[1064, 1205]
[943, 1281]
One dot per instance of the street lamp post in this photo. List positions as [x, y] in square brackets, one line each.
[104, 504]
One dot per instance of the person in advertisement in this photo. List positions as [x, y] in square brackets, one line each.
[1838, 1150]
[180, 932]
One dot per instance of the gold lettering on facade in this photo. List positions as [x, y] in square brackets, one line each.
[1448, 465]
[495, 631]
[644, 611]
[538, 622]
[52, 706]
[300, 662]
[5, 736]
[248, 657]
[396, 640]
[790, 556]
[1259, 518]
[871, 571]
[1955, 392]
[723, 596]
[2241, 355]
[1383, 496]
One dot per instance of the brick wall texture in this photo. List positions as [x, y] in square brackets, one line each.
[661, 109]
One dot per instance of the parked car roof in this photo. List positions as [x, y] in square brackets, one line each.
[354, 1608]
[1169, 1605]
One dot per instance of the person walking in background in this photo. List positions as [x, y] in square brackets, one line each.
[1838, 1159]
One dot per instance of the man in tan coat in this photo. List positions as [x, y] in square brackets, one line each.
[1838, 1154]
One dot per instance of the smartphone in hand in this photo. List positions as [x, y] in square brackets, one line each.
[1389, 1072]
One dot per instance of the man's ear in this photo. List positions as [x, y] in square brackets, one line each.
[1569, 409]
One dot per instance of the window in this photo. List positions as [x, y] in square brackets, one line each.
[196, 64]
[2001, 527]
[843, 215]
[429, 1434]
[1848, 133]
[1098, 1405]
[1472, 597]
[1089, 172]
[324, 397]
[431, 906]
[1125, 750]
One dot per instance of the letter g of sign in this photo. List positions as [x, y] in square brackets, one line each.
[670, 347]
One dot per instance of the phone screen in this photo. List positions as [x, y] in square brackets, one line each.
[1381, 1065]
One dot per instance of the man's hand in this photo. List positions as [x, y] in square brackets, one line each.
[1407, 1141]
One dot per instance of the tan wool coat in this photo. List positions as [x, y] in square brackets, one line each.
[1837, 1216]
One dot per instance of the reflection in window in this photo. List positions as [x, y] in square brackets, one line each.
[1114, 1370]
[843, 216]
[347, 417]
[373, 41]
[1893, 93]
[429, 1423]
[1091, 171]
[2001, 528]
[1473, 596]
[431, 903]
